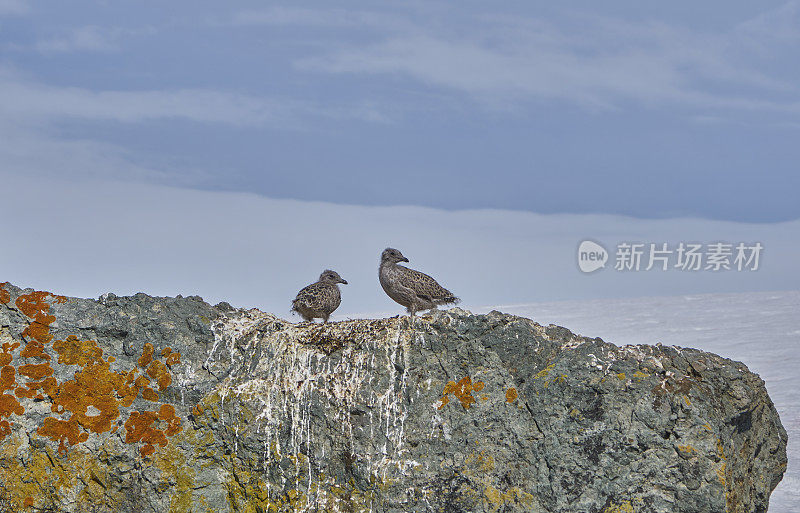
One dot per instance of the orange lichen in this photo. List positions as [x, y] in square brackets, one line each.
[147, 355]
[34, 349]
[33, 304]
[198, 410]
[39, 329]
[100, 388]
[7, 378]
[172, 357]
[36, 370]
[159, 372]
[92, 399]
[28, 502]
[47, 384]
[95, 385]
[462, 390]
[25, 393]
[72, 351]
[5, 296]
[511, 395]
[61, 430]
[8, 403]
[477, 386]
[36, 334]
[9, 346]
[139, 428]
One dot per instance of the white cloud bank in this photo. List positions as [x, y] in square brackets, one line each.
[604, 63]
[86, 238]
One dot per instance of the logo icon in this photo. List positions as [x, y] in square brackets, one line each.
[591, 256]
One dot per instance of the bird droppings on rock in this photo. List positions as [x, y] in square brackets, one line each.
[167, 404]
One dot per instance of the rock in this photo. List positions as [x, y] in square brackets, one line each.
[165, 404]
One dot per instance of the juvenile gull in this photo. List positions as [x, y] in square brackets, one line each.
[319, 299]
[412, 289]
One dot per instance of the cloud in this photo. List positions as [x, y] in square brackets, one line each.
[88, 38]
[328, 18]
[781, 23]
[30, 102]
[13, 7]
[32, 152]
[89, 237]
[605, 64]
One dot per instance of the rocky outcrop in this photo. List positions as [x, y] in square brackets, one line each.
[147, 404]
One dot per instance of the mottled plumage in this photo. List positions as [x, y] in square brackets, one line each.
[412, 289]
[319, 299]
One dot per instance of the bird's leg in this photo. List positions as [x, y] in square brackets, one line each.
[325, 319]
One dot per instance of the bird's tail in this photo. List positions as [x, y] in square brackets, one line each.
[447, 300]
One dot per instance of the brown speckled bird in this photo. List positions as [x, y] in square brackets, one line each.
[412, 289]
[320, 299]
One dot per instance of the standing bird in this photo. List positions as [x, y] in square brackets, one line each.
[412, 289]
[319, 299]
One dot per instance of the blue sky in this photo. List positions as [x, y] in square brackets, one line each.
[644, 109]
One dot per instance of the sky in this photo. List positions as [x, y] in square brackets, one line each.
[236, 150]
[255, 251]
[643, 109]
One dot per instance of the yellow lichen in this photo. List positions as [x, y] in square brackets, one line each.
[622, 507]
[513, 496]
[721, 476]
[45, 479]
[544, 372]
[173, 464]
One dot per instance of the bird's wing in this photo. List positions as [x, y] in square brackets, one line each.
[308, 293]
[422, 284]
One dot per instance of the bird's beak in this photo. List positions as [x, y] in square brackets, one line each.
[343, 282]
[404, 259]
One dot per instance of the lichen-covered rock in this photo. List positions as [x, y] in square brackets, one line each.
[169, 404]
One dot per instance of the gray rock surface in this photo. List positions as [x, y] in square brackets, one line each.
[169, 404]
